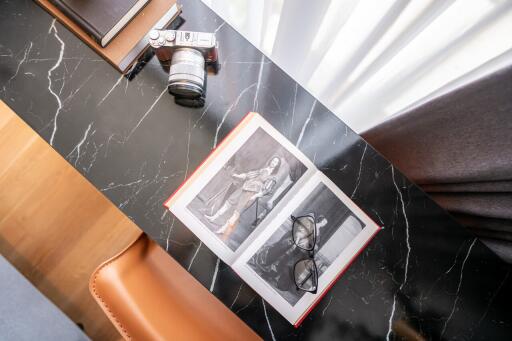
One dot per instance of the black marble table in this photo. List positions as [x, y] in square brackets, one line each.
[136, 146]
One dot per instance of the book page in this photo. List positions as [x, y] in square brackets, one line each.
[342, 230]
[240, 187]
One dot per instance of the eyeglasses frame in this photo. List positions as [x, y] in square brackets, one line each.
[311, 252]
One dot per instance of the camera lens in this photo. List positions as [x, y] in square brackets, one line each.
[187, 72]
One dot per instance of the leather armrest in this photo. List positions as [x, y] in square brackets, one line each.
[148, 296]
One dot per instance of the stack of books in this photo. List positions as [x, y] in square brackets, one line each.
[116, 29]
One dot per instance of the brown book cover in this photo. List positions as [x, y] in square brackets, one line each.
[101, 19]
[124, 49]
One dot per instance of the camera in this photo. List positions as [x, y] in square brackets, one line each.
[188, 56]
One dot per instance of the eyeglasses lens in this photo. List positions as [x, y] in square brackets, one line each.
[304, 232]
[305, 275]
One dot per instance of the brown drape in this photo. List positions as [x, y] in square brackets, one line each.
[458, 148]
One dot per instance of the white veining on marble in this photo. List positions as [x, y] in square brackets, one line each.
[491, 300]
[219, 27]
[111, 89]
[230, 108]
[426, 295]
[169, 233]
[53, 68]
[306, 123]
[126, 85]
[93, 156]
[188, 151]
[335, 169]
[390, 322]
[20, 63]
[293, 110]
[268, 320]
[9, 53]
[146, 113]
[112, 186]
[327, 305]
[358, 181]
[136, 189]
[160, 180]
[215, 272]
[378, 216]
[76, 67]
[236, 297]
[458, 288]
[247, 305]
[274, 99]
[162, 217]
[194, 256]
[454, 262]
[110, 138]
[258, 84]
[205, 111]
[406, 267]
[74, 92]
[79, 144]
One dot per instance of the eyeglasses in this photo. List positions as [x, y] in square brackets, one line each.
[304, 236]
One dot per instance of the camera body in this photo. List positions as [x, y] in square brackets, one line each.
[166, 42]
[189, 55]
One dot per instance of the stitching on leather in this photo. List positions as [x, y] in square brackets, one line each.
[103, 303]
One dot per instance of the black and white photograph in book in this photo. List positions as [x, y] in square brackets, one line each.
[335, 226]
[247, 188]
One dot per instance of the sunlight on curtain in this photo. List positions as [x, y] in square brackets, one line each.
[368, 60]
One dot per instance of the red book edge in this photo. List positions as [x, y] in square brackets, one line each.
[224, 140]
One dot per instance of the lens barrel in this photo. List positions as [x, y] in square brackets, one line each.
[187, 73]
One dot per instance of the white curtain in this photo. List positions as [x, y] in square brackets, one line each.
[368, 60]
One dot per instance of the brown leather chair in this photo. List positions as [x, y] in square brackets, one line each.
[148, 296]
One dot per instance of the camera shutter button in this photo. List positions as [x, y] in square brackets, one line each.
[170, 36]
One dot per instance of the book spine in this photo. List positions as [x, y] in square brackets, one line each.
[77, 19]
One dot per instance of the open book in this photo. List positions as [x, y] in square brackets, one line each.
[242, 203]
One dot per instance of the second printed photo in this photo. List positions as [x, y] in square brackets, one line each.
[306, 244]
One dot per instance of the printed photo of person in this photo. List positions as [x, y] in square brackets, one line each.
[336, 227]
[247, 188]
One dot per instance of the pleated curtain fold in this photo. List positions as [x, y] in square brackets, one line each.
[458, 148]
